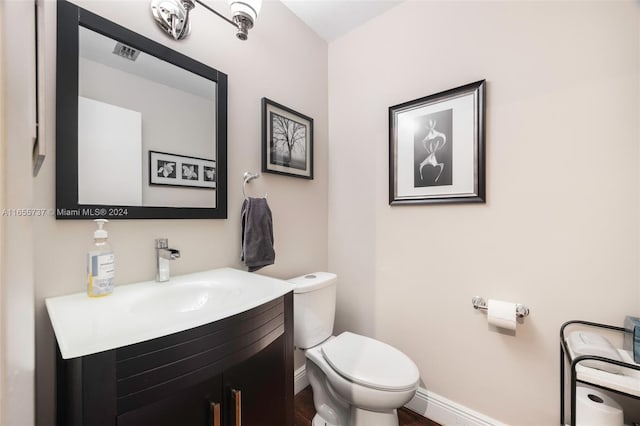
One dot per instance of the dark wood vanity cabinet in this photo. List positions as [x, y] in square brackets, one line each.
[197, 405]
[236, 371]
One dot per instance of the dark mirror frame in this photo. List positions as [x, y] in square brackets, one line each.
[69, 19]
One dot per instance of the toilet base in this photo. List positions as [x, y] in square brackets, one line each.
[319, 421]
[360, 417]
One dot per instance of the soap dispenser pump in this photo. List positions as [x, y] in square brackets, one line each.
[100, 263]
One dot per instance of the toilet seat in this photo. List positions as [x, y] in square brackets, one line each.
[371, 363]
[353, 394]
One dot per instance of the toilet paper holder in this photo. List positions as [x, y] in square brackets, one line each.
[481, 304]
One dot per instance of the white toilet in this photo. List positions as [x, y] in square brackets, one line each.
[356, 380]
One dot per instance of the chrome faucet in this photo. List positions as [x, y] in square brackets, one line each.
[164, 254]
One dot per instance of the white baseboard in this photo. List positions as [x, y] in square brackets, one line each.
[300, 380]
[427, 404]
[446, 412]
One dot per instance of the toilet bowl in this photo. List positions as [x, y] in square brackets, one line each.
[366, 379]
[356, 380]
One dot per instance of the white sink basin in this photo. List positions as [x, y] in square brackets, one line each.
[147, 310]
[187, 297]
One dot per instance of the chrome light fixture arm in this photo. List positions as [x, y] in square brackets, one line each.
[173, 16]
[215, 12]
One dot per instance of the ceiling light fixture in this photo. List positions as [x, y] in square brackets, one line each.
[173, 16]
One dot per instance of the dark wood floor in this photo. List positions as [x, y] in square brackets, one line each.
[305, 412]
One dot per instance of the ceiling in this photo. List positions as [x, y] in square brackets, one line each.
[331, 19]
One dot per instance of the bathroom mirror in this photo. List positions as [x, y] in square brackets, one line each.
[141, 130]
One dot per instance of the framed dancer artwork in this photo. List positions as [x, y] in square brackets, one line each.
[437, 148]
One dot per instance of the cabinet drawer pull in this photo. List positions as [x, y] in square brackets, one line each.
[215, 413]
[237, 397]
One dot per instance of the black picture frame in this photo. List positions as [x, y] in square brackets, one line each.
[69, 20]
[166, 169]
[287, 141]
[437, 148]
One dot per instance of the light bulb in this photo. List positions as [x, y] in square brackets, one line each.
[244, 13]
[248, 8]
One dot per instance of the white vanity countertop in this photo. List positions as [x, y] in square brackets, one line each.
[143, 311]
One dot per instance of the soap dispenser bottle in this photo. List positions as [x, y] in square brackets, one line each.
[100, 263]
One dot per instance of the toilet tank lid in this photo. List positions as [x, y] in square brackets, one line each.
[370, 362]
[313, 281]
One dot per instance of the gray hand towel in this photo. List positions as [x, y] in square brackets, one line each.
[257, 234]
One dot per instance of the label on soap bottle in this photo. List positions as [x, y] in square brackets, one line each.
[101, 273]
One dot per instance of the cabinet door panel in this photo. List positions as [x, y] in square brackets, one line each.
[261, 381]
[191, 407]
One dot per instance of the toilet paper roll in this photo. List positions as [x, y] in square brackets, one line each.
[501, 314]
[595, 408]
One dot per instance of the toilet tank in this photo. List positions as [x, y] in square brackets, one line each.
[314, 308]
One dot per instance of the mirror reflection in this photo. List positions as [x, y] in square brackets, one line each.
[146, 129]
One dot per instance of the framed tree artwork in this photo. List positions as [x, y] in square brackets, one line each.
[437, 148]
[287, 141]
